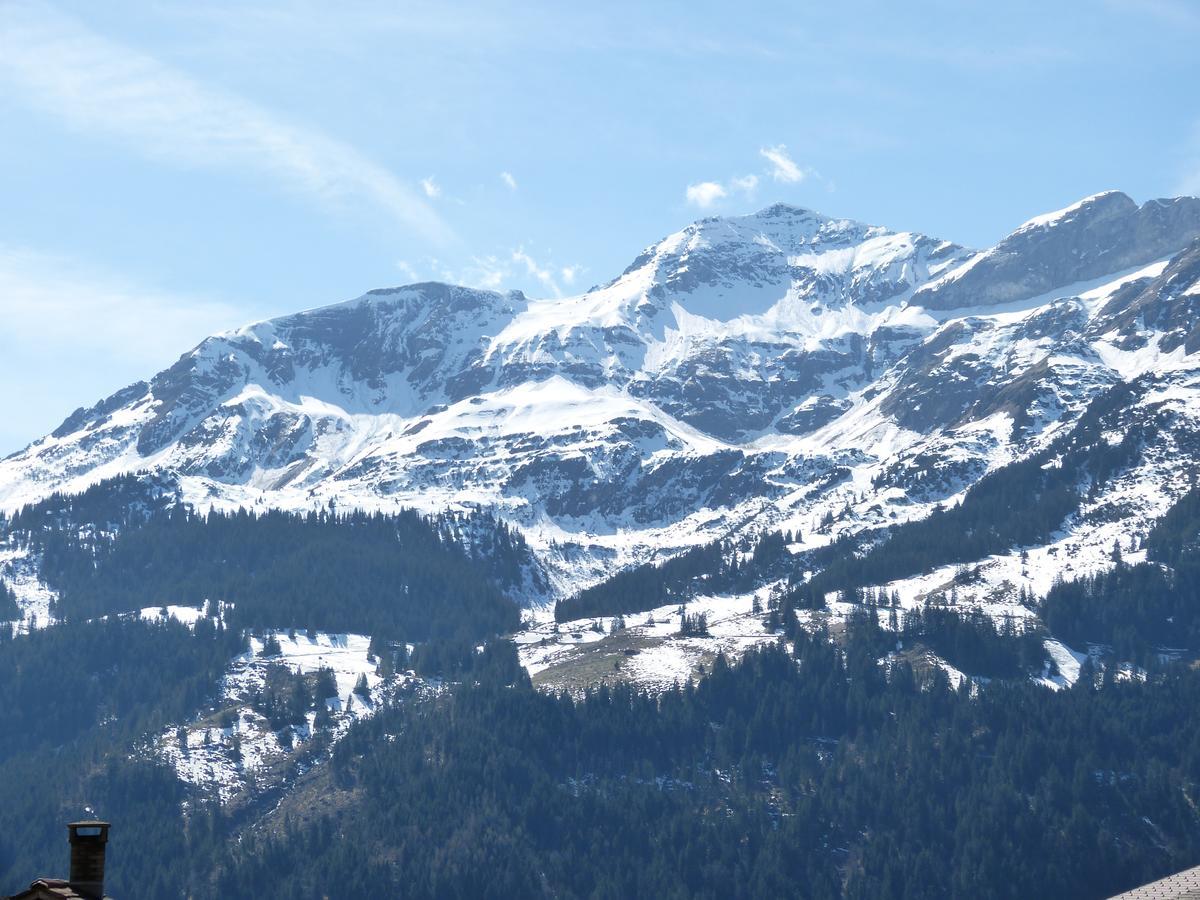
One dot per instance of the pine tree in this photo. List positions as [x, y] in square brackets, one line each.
[271, 646]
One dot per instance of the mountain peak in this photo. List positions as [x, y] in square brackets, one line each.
[1105, 203]
[726, 267]
[780, 209]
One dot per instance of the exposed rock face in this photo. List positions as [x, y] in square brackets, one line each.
[1091, 239]
[1166, 307]
[779, 369]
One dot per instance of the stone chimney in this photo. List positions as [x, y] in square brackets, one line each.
[87, 857]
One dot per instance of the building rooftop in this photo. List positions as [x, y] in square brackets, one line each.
[1183, 885]
[50, 889]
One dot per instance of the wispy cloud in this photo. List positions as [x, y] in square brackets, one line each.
[104, 332]
[783, 167]
[543, 274]
[508, 180]
[47, 299]
[501, 271]
[103, 88]
[431, 188]
[1172, 12]
[746, 184]
[705, 194]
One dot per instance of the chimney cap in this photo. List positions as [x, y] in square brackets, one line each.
[88, 823]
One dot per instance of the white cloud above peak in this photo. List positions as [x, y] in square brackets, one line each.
[705, 194]
[783, 167]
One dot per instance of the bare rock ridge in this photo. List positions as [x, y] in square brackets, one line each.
[1097, 236]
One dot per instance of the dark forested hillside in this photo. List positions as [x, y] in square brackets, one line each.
[394, 575]
[968, 640]
[809, 775]
[714, 567]
[75, 703]
[817, 773]
[9, 610]
[1138, 609]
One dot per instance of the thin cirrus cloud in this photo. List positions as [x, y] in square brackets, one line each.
[95, 85]
[498, 271]
[509, 181]
[46, 297]
[97, 324]
[431, 188]
[783, 167]
[747, 184]
[1173, 12]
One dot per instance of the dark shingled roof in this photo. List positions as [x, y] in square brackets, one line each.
[50, 889]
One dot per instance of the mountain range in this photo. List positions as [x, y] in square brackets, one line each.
[782, 370]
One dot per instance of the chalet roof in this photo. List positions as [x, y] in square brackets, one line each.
[50, 889]
[1183, 885]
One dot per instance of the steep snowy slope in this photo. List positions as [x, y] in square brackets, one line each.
[774, 370]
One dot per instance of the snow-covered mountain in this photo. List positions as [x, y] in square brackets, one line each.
[781, 369]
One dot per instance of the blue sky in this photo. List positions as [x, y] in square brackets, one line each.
[173, 169]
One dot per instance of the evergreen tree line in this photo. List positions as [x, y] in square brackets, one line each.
[127, 675]
[106, 507]
[969, 640]
[1176, 535]
[10, 611]
[717, 567]
[1140, 609]
[77, 702]
[397, 575]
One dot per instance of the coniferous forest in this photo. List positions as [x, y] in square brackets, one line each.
[810, 772]
[400, 575]
[823, 765]
[9, 610]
